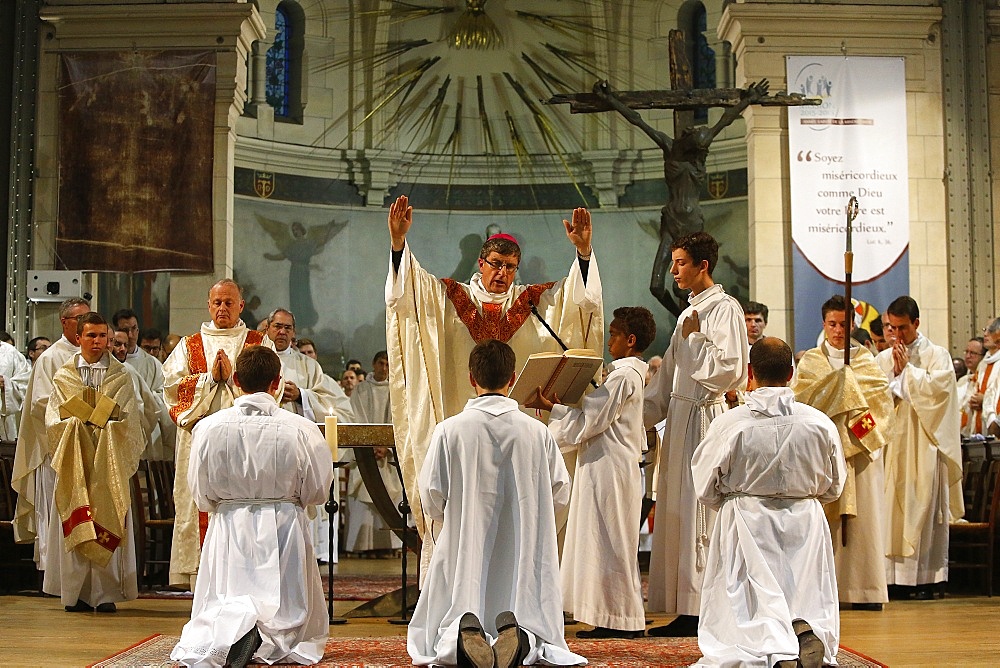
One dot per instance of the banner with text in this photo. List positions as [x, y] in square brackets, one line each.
[854, 144]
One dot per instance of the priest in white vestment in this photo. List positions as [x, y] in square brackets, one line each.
[858, 400]
[492, 481]
[923, 459]
[370, 398]
[367, 532]
[32, 477]
[600, 567]
[432, 325]
[95, 440]
[146, 403]
[164, 432]
[14, 372]
[255, 468]
[313, 395]
[968, 385]
[150, 368]
[707, 356]
[198, 382]
[767, 467]
[985, 380]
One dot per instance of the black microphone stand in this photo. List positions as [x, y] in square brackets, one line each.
[534, 311]
[332, 507]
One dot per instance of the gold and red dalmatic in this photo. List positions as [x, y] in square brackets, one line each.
[492, 323]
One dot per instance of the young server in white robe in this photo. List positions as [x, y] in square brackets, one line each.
[706, 358]
[600, 568]
[254, 467]
[767, 467]
[923, 459]
[491, 483]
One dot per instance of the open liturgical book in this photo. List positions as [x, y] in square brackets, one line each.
[564, 374]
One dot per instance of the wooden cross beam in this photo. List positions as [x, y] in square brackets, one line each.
[684, 100]
[682, 97]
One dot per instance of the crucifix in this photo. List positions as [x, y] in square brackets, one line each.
[685, 153]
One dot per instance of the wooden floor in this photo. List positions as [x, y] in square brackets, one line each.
[956, 631]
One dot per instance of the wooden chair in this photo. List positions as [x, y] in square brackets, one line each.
[153, 504]
[17, 561]
[971, 545]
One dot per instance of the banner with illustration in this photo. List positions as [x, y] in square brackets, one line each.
[853, 144]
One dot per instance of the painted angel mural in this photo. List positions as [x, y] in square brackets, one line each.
[299, 245]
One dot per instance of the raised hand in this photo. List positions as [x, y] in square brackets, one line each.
[580, 231]
[757, 91]
[400, 219]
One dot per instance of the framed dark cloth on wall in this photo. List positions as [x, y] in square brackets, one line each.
[136, 145]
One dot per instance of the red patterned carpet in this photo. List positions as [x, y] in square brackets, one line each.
[345, 588]
[391, 651]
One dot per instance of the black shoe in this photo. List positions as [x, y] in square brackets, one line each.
[512, 645]
[685, 626]
[810, 646]
[243, 649]
[79, 606]
[870, 607]
[604, 632]
[924, 593]
[107, 607]
[474, 649]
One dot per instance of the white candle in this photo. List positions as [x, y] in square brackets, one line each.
[331, 436]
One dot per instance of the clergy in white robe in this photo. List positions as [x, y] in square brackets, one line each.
[14, 372]
[313, 395]
[491, 482]
[432, 325]
[986, 380]
[198, 382]
[32, 477]
[968, 385]
[254, 468]
[366, 530]
[923, 459]
[163, 436]
[149, 406]
[370, 398]
[600, 568]
[767, 467]
[858, 400]
[707, 356]
[95, 440]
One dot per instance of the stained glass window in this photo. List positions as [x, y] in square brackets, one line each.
[279, 65]
[703, 63]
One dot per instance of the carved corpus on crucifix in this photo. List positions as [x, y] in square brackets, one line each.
[685, 153]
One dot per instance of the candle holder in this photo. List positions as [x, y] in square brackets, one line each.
[332, 507]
